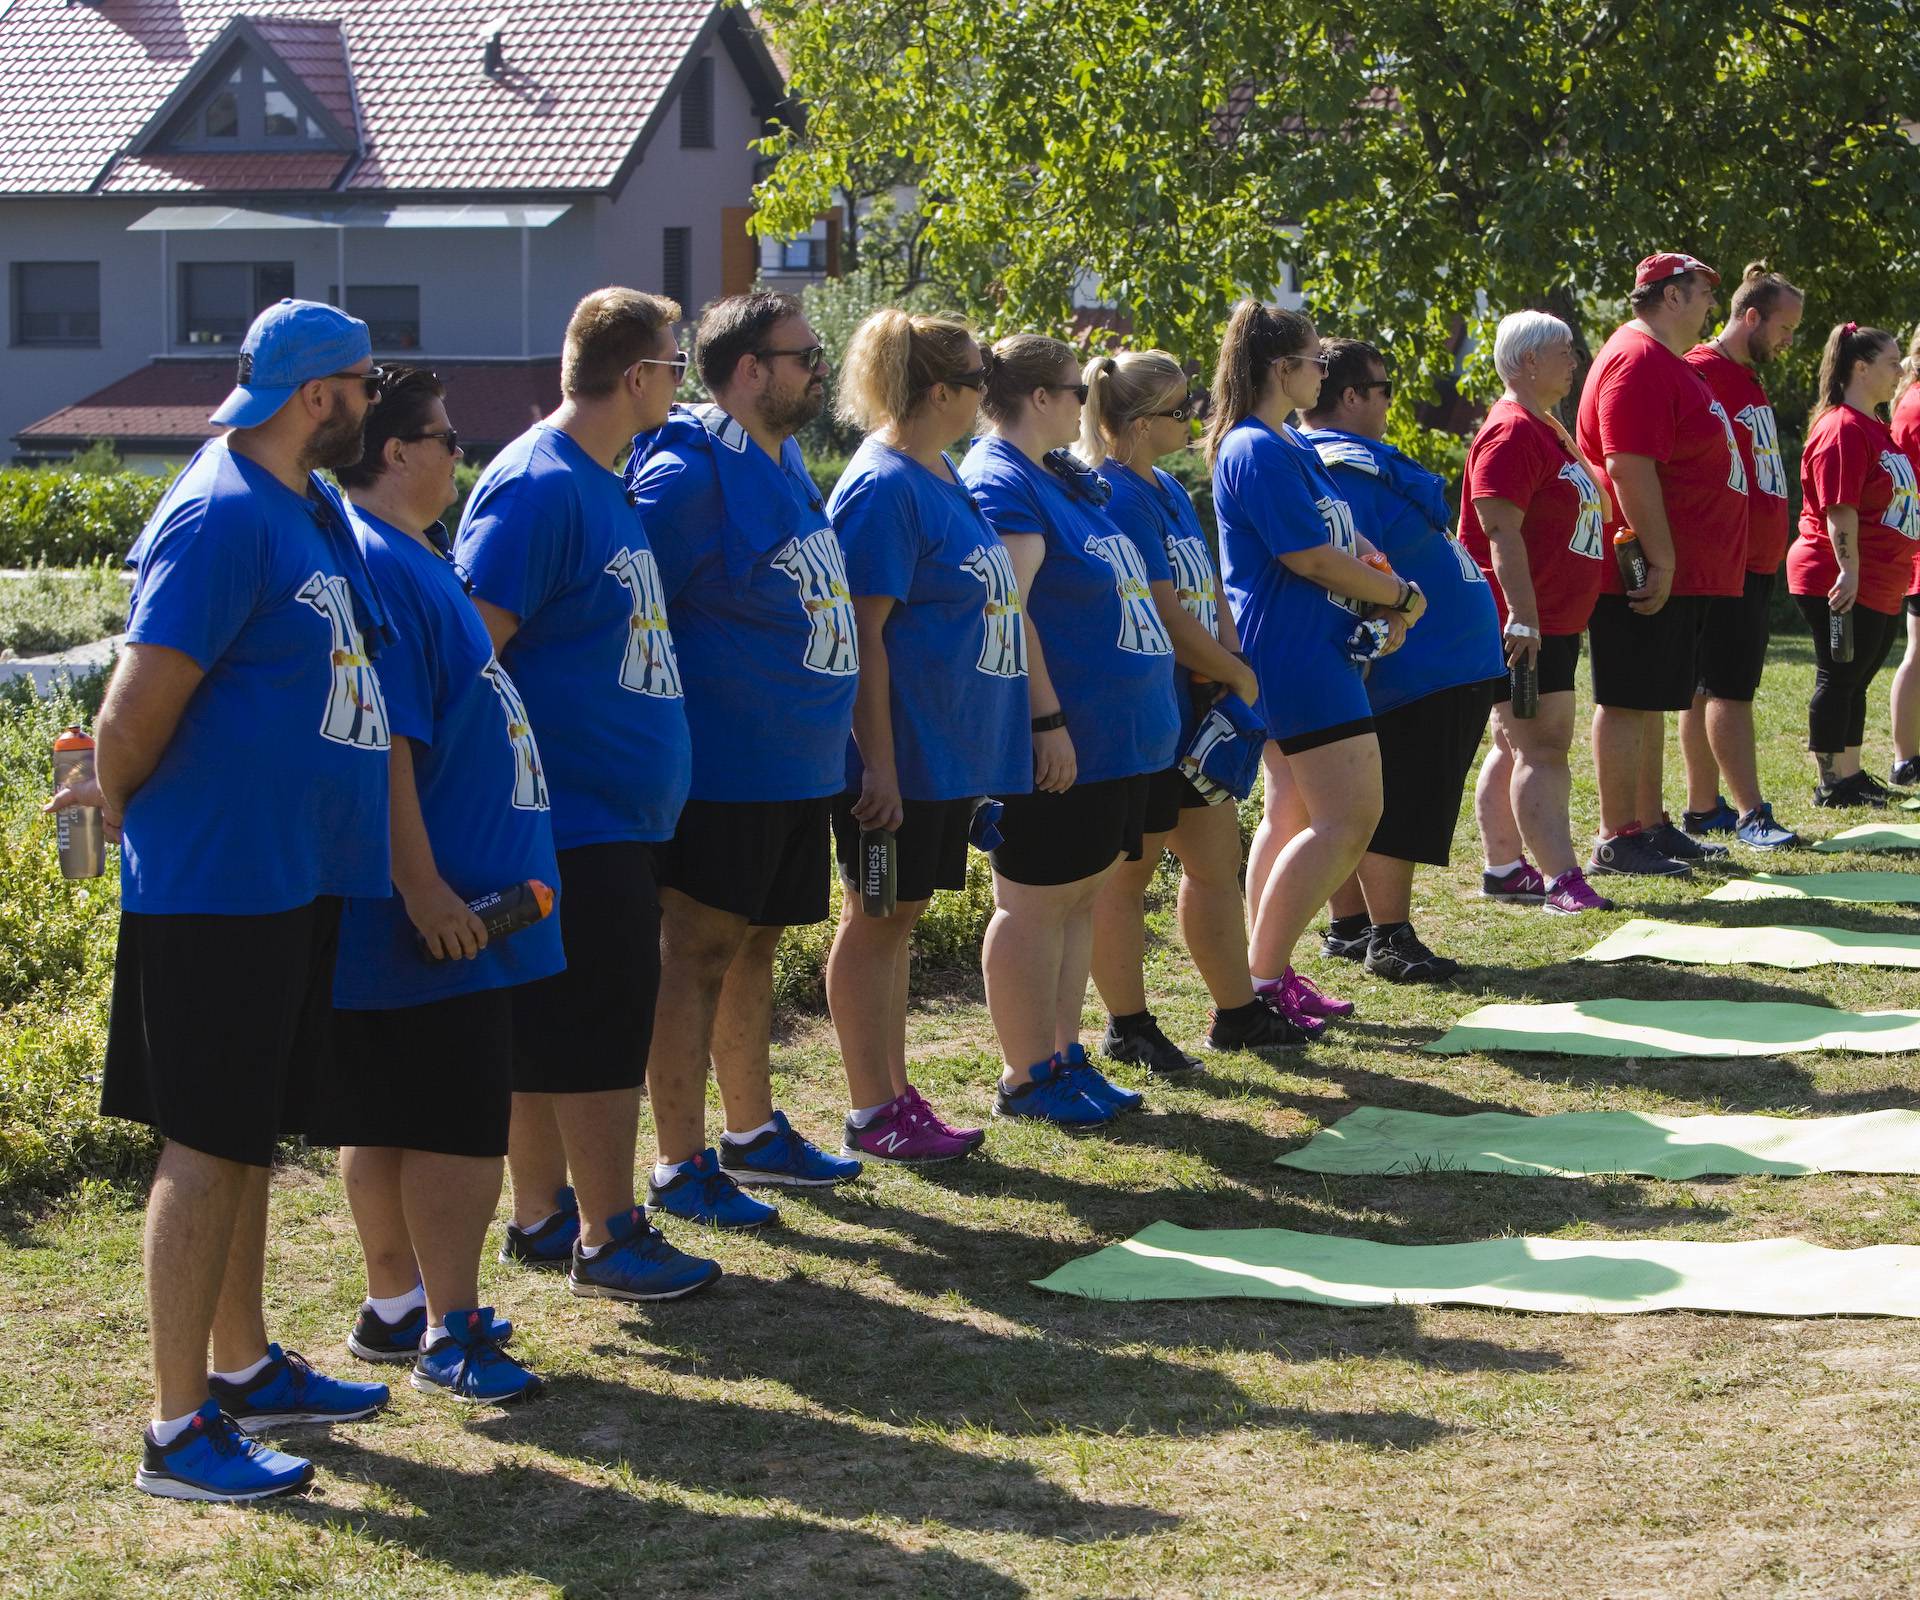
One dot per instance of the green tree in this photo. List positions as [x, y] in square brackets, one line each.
[1425, 165]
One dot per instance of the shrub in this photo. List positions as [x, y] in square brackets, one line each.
[50, 610]
[66, 519]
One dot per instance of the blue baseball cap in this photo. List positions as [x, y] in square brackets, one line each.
[289, 344]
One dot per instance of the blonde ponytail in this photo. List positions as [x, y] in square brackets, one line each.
[892, 360]
[1122, 389]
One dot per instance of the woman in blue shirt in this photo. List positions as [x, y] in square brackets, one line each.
[940, 717]
[1140, 408]
[1298, 586]
[1102, 721]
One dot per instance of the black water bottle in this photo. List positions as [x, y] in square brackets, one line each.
[1524, 685]
[1840, 635]
[1631, 559]
[506, 911]
[877, 856]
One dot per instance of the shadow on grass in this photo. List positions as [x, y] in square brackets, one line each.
[1594, 980]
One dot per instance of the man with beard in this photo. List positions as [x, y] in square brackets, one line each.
[242, 765]
[757, 596]
[1679, 488]
[1716, 731]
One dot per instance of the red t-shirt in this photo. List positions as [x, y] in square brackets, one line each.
[1515, 456]
[1741, 397]
[1906, 434]
[1643, 400]
[1850, 459]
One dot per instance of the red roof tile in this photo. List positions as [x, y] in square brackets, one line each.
[167, 404]
[581, 78]
[195, 172]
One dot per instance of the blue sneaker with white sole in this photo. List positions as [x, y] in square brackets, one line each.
[287, 1391]
[700, 1192]
[782, 1159]
[638, 1264]
[375, 1339]
[1096, 1085]
[549, 1247]
[1758, 829]
[469, 1364]
[1053, 1095]
[213, 1460]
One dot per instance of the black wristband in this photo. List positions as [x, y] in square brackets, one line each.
[1405, 603]
[1052, 720]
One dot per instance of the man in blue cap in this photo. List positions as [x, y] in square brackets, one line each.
[242, 767]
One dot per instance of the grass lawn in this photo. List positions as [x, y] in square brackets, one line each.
[875, 1400]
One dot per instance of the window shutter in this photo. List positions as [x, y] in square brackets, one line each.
[696, 107]
[676, 266]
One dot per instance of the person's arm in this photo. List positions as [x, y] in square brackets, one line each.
[879, 803]
[450, 929]
[1196, 649]
[1055, 764]
[1643, 506]
[149, 691]
[1339, 573]
[1501, 521]
[1843, 529]
[501, 625]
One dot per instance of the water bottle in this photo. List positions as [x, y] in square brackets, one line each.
[877, 856]
[1524, 686]
[1840, 635]
[506, 911]
[82, 838]
[1632, 560]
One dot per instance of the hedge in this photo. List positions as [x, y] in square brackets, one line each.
[54, 518]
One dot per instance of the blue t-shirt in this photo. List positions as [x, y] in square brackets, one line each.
[273, 789]
[1403, 509]
[549, 535]
[1274, 497]
[1107, 651]
[956, 650]
[476, 768]
[757, 590]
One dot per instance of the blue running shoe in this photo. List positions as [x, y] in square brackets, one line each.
[1721, 819]
[548, 1247]
[701, 1192]
[1758, 829]
[470, 1365]
[1095, 1085]
[781, 1157]
[286, 1390]
[213, 1460]
[375, 1339]
[638, 1264]
[1052, 1095]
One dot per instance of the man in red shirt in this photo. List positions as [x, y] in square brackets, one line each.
[1678, 487]
[1716, 731]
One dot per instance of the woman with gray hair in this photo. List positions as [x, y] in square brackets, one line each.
[1532, 516]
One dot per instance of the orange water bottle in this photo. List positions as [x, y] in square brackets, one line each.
[82, 838]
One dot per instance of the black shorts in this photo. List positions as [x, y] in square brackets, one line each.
[1062, 838]
[929, 847]
[1646, 663]
[222, 1027]
[1559, 665]
[1300, 743]
[765, 860]
[1734, 639]
[1427, 748]
[1913, 605]
[1168, 794]
[391, 1070]
[587, 1029]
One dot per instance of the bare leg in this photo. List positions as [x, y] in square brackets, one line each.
[449, 1202]
[1730, 731]
[743, 1032]
[697, 945]
[1542, 784]
[1349, 900]
[601, 1130]
[1212, 918]
[1696, 746]
[239, 1318]
[1493, 793]
[1120, 930]
[1388, 882]
[1280, 819]
[1905, 696]
[372, 1175]
[1340, 786]
[190, 1228]
[1650, 785]
[867, 997]
[1021, 960]
[1617, 738]
[536, 1157]
[1076, 958]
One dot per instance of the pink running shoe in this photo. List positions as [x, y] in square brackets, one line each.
[974, 1136]
[1523, 886]
[1279, 995]
[1570, 894]
[906, 1134]
[1310, 1000]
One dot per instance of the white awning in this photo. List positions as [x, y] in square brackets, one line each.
[234, 219]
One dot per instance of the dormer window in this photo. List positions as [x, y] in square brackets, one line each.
[246, 105]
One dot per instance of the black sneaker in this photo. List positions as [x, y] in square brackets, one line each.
[375, 1340]
[1848, 794]
[548, 1247]
[1255, 1027]
[1874, 786]
[1344, 949]
[1677, 845]
[1400, 957]
[1632, 855]
[1144, 1045]
[1906, 774]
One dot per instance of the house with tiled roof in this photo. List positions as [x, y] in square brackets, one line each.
[456, 172]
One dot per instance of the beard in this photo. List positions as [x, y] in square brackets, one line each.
[340, 441]
[791, 413]
[1761, 349]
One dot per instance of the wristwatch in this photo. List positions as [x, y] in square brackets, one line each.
[1405, 603]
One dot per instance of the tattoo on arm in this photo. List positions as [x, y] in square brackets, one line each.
[1843, 545]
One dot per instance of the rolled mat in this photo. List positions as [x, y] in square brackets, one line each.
[1768, 1277]
[1794, 947]
[1867, 888]
[1874, 836]
[1677, 1028]
[1571, 1144]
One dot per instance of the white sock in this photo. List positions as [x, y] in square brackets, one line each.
[393, 1307]
[664, 1172]
[1263, 985]
[245, 1372]
[865, 1114]
[166, 1430]
[437, 1336]
[751, 1134]
[1504, 867]
[535, 1227]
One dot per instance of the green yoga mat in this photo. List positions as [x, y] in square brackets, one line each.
[1874, 836]
[1769, 1277]
[1571, 1144]
[1677, 1028]
[1866, 888]
[1794, 947]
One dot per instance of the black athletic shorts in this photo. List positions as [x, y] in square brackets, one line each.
[1062, 838]
[1168, 794]
[1913, 605]
[222, 1027]
[765, 860]
[587, 1029]
[1646, 663]
[1300, 743]
[929, 847]
[1427, 748]
[392, 1069]
[1734, 638]
[1558, 664]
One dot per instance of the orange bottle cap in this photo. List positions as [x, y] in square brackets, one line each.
[74, 738]
[1626, 536]
[542, 897]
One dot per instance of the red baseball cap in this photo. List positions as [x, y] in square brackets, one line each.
[1671, 264]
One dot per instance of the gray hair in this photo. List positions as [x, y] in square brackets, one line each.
[1522, 332]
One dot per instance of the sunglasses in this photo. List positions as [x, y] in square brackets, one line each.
[1077, 390]
[1384, 385]
[677, 362]
[1319, 361]
[968, 380]
[1192, 409]
[450, 437]
[375, 378]
[810, 356]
